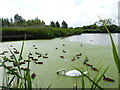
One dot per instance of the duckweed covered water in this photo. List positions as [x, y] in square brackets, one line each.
[46, 73]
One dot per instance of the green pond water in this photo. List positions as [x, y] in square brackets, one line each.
[46, 73]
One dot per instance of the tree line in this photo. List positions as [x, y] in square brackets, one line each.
[98, 25]
[19, 21]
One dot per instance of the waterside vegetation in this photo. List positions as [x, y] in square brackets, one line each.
[15, 29]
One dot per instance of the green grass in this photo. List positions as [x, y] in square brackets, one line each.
[41, 33]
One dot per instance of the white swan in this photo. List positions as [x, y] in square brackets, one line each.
[71, 73]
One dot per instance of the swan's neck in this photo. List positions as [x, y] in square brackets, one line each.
[63, 72]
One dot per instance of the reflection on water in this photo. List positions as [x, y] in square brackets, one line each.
[98, 39]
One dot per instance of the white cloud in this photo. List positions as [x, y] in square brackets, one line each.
[74, 12]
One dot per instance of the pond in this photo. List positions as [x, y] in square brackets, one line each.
[97, 39]
[46, 73]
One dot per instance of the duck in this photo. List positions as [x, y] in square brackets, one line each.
[63, 45]
[64, 51]
[39, 55]
[2, 53]
[10, 45]
[21, 63]
[16, 52]
[71, 73]
[30, 53]
[46, 54]
[9, 66]
[45, 57]
[86, 59]
[77, 57]
[84, 62]
[73, 59]
[61, 56]
[87, 64]
[36, 53]
[33, 45]
[108, 79]
[39, 62]
[27, 61]
[25, 69]
[6, 51]
[80, 54]
[93, 68]
[33, 75]
[35, 48]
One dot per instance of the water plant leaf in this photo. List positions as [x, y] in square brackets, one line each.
[11, 80]
[12, 71]
[89, 78]
[95, 78]
[115, 54]
[99, 79]
[83, 83]
[49, 86]
[13, 55]
[20, 56]
[27, 76]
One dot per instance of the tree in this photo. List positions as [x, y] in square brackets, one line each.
[52, 24]
[64, 24]
[18, 19]
[11, 20]
[57, 24]
[107, 22]
[5, 22]
[43, 22]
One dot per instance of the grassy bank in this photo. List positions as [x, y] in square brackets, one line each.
[38, 33]
[13, 34]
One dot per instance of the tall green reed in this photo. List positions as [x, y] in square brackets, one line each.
[20, 79]
[114, 51]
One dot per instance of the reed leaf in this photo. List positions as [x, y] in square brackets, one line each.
[12, 71]
[49, 86]
[99, 79]
[13, 55]
[89, 79]
[11, 81]
[83, 83]
[115, 54]
[95, 78]
[27, 76]
[20, 56]
[16, 61]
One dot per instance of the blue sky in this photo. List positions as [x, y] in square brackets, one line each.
[74, 12]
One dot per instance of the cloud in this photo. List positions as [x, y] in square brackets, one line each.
[74, 12]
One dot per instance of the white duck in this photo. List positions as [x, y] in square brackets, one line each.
[71, 73]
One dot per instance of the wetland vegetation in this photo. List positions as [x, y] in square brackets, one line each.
[15, 29]
[34, 63]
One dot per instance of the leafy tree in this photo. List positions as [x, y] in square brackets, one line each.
[18, 19]
[43, 22]
[64, 24]
[52, 24]
[11, 20]
[57, 24]
[108, 22]
[5, 22]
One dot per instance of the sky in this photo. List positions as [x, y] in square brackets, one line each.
[76, 13]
